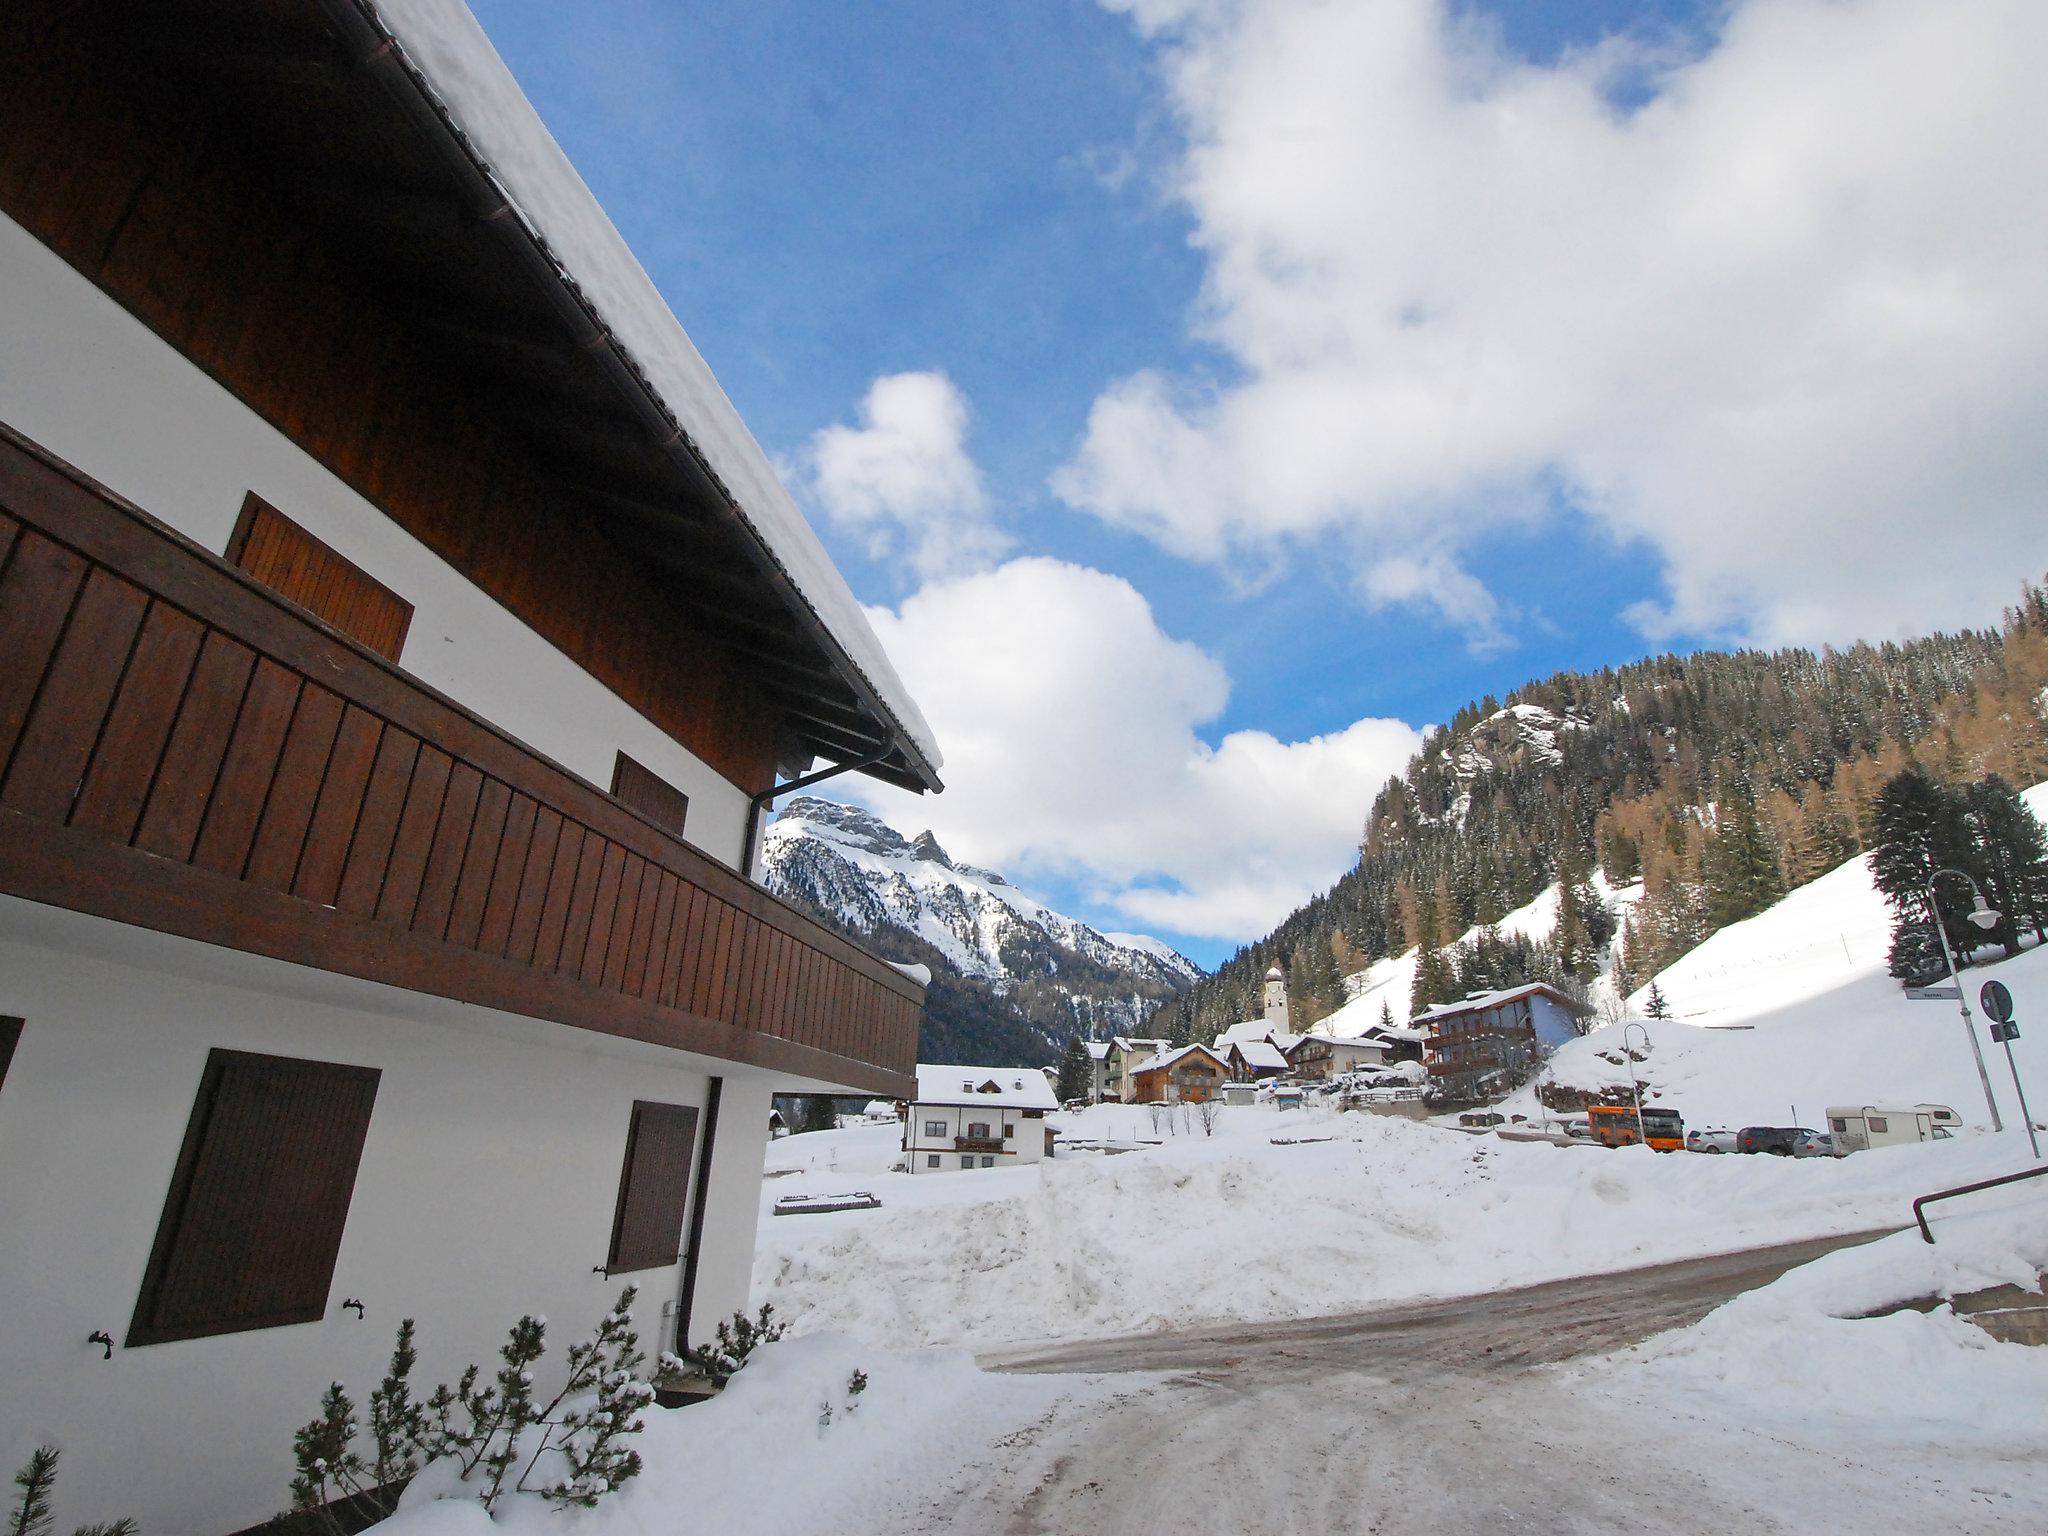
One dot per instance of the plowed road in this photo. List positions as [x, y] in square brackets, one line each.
[1431, 1418]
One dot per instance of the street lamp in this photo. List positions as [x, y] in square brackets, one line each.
[1984, 917]
[1635, 1088]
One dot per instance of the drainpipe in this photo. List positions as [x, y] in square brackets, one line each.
[766, 797]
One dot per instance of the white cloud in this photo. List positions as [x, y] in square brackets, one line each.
[1069, 720]
[1787, 321]
[903, 477]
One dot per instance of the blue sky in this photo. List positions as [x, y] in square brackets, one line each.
[835, 193]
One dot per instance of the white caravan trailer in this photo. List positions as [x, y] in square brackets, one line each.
[1857, 1127]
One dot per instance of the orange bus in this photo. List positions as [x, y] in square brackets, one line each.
[1614, 1125]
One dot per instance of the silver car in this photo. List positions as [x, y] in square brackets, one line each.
[1710, 1139]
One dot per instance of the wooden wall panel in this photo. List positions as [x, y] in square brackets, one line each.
[197, 755]
[172, 225]
[293, 563]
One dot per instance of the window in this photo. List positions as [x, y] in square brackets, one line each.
[654, 1186]
[1009, 1130]
[292, 563]
[253, 1220]
[979, 1128]
[1838, 1125]
[935, 1127]
[1879, 1124]
[966, 1162]
[650, 794]
[931, 1160]
[988, 1162]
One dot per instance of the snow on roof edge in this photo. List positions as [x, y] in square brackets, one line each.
[447, 46]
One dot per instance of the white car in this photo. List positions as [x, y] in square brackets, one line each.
[1710, 1139]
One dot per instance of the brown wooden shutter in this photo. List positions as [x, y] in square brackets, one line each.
[650, 794]
[253, 1222]
[10, 1032]
[654, 1187]
[291, 562]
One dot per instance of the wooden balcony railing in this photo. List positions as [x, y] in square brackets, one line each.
[184, 750]
[977, 1143]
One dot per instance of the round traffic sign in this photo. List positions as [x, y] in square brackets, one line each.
[1996, 1000]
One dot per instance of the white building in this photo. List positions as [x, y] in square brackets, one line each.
[399, 635]
[977, 1117]
[1098, 1070]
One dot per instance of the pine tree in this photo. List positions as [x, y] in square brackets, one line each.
[1742, 872]
[1654, 1005]
[2012, 858]
[1077, 1072]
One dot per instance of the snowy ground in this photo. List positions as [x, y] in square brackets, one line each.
[1206, 1229]
[1783, 1410]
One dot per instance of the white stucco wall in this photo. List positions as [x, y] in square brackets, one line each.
[486, 1190]
[89, 382]
[1025, 1145]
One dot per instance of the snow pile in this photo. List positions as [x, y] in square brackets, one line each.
[1805, 1355]
[757, 1457]
[1201, 1229]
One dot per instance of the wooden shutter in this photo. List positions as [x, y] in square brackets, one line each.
[291, 562]
[650, 794]
[253, 1222]
[10, 1032]
[654, 1187]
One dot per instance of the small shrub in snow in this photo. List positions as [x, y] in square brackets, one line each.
[33, 1515]
[1209, 1112]
[856, 1384]
[486, 1438]
[722, 1359]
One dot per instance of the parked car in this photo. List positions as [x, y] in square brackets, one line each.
[1813, 1144]
[1777, 1140]
[1710, 1139]
[1579, 1129]
[1477, 1119]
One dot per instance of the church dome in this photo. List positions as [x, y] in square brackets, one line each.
[1275, 974]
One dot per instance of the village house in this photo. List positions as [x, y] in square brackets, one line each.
[1315, 1057]
[1189, 1075]
[1253, 1061]
[977, 1117]
[1098, 1070]
[1491, 1041]
[401, 638]
[1120, 1066]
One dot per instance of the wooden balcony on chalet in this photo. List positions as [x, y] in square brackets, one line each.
[184, 750]
[977, 1143]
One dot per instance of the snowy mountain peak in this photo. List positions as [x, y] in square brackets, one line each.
[850, 865]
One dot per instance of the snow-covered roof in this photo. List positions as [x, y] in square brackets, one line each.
[1260, 1053]
[1175, 1057]
[442, 41]
[1097, 1049]
[1481, 1002]
[1129, 1043]
[1004, 1087]
[1244, 1029]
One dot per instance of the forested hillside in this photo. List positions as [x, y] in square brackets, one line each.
[1721, 780]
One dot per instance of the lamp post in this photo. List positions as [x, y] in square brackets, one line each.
[1635, 1088]
[1984, 918]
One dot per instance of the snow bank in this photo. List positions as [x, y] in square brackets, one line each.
[1232, 1227]
[1803, 1354]
[757, 1458]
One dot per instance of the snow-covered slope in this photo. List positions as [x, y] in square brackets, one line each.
[1793, 1008]
[848, 863]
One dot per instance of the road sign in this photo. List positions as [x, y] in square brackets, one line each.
[1996, 1000]
[2000, 1033]
[1934, 994]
